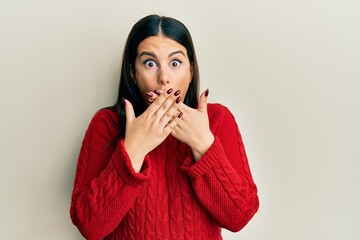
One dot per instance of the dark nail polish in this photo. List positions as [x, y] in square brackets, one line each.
[178, 99]
[180, 114]
[150, 100]
[177, 92]
[149, 94]
[157, 92]
[123, 101]
[207, 92]
[169, 91]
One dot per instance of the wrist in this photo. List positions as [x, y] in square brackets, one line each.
[136, 157]
[201, 147]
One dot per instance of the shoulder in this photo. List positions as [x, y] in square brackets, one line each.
[106, 121]
[219, 114]
[221, 120]
[217, 110]
[105, 114]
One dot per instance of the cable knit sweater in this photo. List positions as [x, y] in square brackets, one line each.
[171, 197]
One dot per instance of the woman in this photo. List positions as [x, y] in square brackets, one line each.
[162, 163]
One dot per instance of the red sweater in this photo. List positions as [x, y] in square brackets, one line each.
[172, 197]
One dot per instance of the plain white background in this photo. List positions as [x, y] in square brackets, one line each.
[288, 70]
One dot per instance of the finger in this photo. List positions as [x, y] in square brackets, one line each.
[161, 105]
[129, 111]
[176, 113]
[171, 113]
[202, 106]
[171, 126]
[158, 102]
[151, 97]
[182, 107]
[158, 92]
[150, 94]
[167, 109]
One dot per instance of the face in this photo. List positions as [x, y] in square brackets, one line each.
[161, 64]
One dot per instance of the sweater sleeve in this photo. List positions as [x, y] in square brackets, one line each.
[105, 185]
[222, 179]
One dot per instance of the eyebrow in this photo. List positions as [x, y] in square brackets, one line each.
[176, 52]
[147, 53]
[154, 55]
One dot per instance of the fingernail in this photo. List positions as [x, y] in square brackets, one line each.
[123, 101]
[149, 94]
[206, 92]
[157, 92]
[169, 91]
[178, 99]
[177, 92]
[150, 100]
[180, 114]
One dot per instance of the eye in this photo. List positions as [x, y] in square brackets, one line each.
[150, 63]
[175, 63]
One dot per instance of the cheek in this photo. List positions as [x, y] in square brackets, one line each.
[183, 83]
[145, 81]
[184, 78]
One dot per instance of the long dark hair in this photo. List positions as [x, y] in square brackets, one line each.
[148, 26]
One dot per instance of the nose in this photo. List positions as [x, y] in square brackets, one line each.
[164, 77]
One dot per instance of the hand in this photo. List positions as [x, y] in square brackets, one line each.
[194, 129]
[147, 131]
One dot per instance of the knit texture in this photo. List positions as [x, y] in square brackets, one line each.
[172, 197]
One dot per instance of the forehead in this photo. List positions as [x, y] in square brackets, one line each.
[160, 45]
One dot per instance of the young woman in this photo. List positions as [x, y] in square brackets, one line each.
[162, 163]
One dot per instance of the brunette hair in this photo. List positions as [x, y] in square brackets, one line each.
[148, 26]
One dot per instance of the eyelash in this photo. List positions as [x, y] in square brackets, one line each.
[147, 61]
[176, 60]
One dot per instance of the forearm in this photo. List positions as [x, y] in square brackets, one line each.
[99, 205]
[93, 208]
[228, 196]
